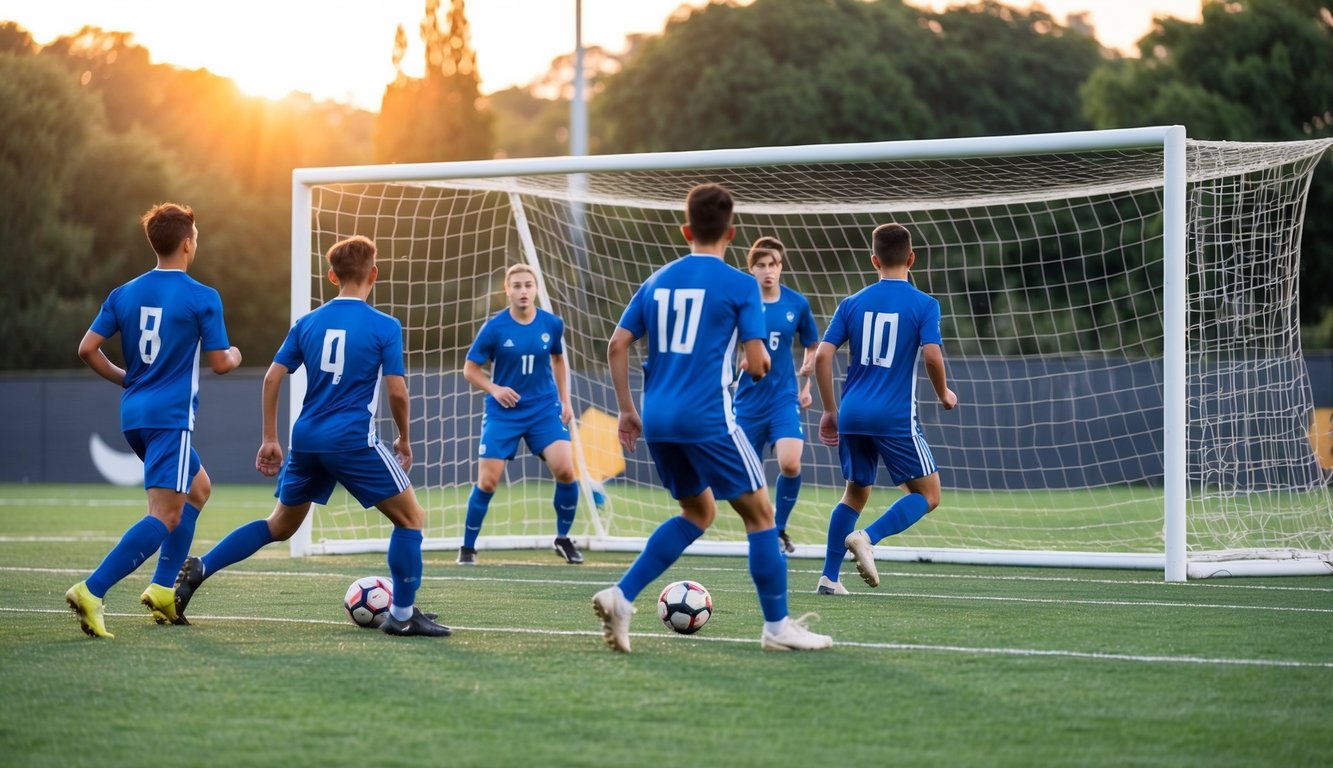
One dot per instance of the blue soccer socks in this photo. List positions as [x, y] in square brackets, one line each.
[840, 523]
[477, 504]
[902, 515]
[663, 548]
[769, 570]
[236, 546]
[135, 546]
[788, 489]
[405, 565]
[176, 547]
[566, 503]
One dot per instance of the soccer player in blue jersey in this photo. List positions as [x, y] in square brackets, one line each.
[769, 409]
[693, 312]
[886, 326]
[527, 398]
[347, 348]
[165, 320]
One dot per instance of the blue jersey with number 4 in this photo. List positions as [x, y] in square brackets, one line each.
[346, 346]
[164, 317]
[785, 318]
[692, 313]
[884, 326]
[521, 357]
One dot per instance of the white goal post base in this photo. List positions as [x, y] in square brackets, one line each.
[1120, 315]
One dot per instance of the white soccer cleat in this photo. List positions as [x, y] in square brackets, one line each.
[615, 612]
[827, 587]
[858, 543]
[794, 636]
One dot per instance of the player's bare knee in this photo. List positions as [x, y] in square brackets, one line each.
[201, 489]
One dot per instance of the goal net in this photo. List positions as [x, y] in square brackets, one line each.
[1119, 315]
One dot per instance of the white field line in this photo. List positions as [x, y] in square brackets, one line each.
[907, 647]
[590, 583]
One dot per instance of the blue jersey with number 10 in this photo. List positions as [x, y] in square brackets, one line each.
[885, 325]
[346, 346]
[164, 317]
[692, 312]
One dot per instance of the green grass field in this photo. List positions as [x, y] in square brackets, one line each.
[940, 665]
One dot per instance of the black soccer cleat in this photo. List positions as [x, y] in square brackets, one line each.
[564, 546]
[467, 556]
[419, 626]
[187, 581]
[786, 545]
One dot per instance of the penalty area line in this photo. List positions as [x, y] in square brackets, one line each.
[907, 647]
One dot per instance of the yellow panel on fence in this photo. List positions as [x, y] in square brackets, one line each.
[598, 435]
[1321, 436]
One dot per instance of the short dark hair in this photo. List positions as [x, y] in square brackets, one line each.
[167, 225]
[708, 212]
[891, 244]
[351, 259]
[766, 246]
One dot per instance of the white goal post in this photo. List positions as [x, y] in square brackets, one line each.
[1119, 315]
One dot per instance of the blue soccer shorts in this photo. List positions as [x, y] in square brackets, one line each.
[540, 428]
[768, 429]
[906, 458]
[727, 464]
[370, 474]
[169, 459]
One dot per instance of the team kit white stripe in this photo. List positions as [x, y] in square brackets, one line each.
[753, 466]
[183, 463]
[399, 476]
[923, 454]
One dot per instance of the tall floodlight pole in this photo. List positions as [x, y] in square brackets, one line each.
[578, 109]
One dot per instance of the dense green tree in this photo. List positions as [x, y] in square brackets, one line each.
[1251, 70]
[45, 121]
[442, 115]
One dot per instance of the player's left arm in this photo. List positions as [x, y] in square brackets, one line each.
[630, 426]
[90, 352]
[807, 371]
[933, 356]
[560, 372]
[828, 421]
[400, 409]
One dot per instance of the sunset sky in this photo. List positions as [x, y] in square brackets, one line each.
[341, 49]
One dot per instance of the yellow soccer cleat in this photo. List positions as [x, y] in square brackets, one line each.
[89, 610]
[161, 602]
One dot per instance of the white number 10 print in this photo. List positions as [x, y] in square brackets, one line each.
[688, 306]
[874, 350]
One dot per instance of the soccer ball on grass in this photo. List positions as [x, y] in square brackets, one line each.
[685, 606]
[367, 601]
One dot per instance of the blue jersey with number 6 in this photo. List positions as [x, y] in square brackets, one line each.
[164, 317]
[786, 318]
[692, 313]
[884, 326]
[346, 346]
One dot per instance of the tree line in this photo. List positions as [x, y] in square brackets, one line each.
[92, 132]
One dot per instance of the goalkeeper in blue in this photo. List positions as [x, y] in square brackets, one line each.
[527, 398]
[347, 348]
[692, 312]
[886, 326]
[769, 409]
[167, 321]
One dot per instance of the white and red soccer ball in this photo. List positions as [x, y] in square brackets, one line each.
[367, 601]
[685, 606]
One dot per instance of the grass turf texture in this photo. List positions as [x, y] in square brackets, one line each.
[969, 665]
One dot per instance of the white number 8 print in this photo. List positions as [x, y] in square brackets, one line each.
[150, 339]
[335, 345]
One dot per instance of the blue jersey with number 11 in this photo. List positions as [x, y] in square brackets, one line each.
[521, 356]
[692, 312]
[885, 325]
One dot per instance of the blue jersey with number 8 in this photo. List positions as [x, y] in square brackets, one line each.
[691, 313]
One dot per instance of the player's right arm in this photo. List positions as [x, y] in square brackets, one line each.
[90, 352]
[224, 360]
[617, 356]
[477, 377]
[399, 408]
[933, 357]
[828, 420]
[269, 459]
[757, 361]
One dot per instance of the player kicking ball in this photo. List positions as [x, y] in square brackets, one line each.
[885, 326]
[346, 347]
[692, 312]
